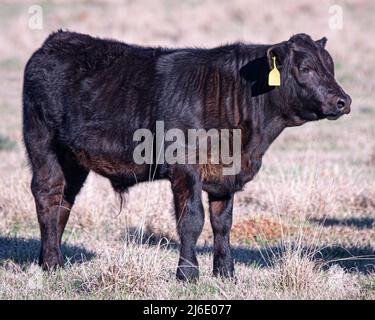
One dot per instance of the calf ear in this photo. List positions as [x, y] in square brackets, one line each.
[279, 51]
[322, 42]
[256, 73]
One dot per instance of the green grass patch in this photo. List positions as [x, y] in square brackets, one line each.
[6, 144]
[11, 63]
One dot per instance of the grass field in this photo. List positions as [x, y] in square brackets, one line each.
[303, 229]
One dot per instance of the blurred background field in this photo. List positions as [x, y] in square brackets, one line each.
[304, 228]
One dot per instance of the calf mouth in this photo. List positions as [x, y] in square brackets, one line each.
[333, 116]
[336, 115]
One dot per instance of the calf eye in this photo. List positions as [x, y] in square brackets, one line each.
[304, 69]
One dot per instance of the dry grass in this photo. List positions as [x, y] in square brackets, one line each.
[305, 227]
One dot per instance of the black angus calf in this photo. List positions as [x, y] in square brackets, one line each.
[83, 99]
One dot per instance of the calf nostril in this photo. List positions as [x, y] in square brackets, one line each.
[340, 103]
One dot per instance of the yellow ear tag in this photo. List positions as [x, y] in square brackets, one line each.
[274, 75]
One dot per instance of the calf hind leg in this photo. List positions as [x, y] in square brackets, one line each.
[74, 176]
[55, 185]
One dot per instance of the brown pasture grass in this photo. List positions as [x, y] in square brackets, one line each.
[303, 229]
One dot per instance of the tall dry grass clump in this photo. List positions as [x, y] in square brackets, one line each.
[296, 274]
[136, 269]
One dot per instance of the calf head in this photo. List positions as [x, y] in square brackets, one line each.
[308, 86]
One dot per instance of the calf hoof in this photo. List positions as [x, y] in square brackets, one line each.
[223, 273]
[187, 273]
[224, 270]
[51, 261]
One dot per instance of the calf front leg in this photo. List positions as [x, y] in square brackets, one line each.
[187, 194]
[221, 221]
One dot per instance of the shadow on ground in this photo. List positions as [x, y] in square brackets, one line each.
[353, 259]
[359, 223]
[25, 250]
